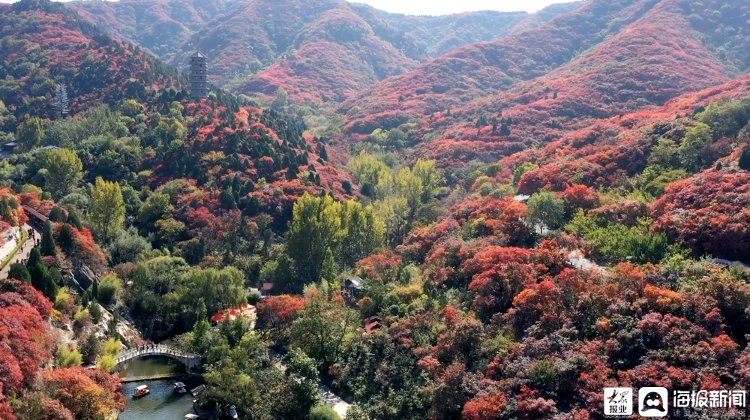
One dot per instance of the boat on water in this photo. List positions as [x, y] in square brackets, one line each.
[141, 391]
[180, 388]
[191, 416]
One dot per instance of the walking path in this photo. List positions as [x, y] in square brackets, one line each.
[23, 254]
[577, 260]
[329, 398]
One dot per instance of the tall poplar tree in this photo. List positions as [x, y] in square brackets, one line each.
[107, 209]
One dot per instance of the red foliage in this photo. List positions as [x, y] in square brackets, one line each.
[17, 216]
[421, 240]
[87, 393]
[12, 290]
[486, 407]
[380, 267]
[709, 213]
[24, 341]
[279, 311]
[580, 197]
[56, 40]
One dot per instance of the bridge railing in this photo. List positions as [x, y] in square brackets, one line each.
[153, 349]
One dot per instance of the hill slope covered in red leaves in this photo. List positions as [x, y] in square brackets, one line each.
[317, 51]
[604, 59]
[45, 44]
[161, 26]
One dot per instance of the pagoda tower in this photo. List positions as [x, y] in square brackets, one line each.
[198, 77]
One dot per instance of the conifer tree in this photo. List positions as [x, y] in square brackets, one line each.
[48, 241]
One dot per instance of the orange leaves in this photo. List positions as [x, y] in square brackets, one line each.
[580, 196]
[279, 311]
[85, 392]
[663, 300]
[486, 407]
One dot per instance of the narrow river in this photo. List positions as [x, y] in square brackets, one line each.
[163, 403]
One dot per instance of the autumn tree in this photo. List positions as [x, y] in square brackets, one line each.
[107, 212]
[83, 392]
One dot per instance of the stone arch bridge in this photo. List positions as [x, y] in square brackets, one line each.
[191, 361]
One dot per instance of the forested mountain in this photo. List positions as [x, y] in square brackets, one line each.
[161, 26]
[317, 51]
[46, 45]
[604, 59]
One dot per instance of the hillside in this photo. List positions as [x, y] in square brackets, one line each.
[45, 45]
[652, 51]
[161, 26]
[318, 52]
[483, 69]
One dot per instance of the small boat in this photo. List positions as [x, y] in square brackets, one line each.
[180, 388]
[197, 390]
[141, 391]
[191, 416]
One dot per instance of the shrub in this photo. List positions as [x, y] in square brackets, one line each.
[323, 412]
[109, 287]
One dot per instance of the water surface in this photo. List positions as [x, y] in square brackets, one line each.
[162, 403]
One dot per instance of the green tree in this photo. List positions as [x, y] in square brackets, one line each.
[66, 239]
[107, 211]
[156, 207]
[745, 159]
[106, 363]
[218, 288]
[316, 227]
[328, 272]
[47, 244]
[64, 171]
[324, 328]
[30, 133]
[19, 271]
[664, 154]
[394, 212]
[169, 231]
[546, 209]
[90, 348]
[126, 247]
[363, 232]
[109, 288]
[201, 328]
[692, 149]
[280, 101]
